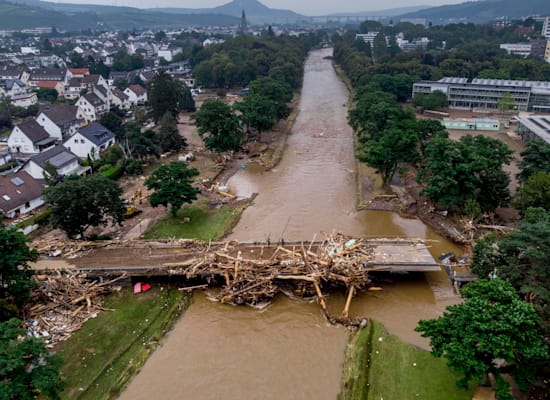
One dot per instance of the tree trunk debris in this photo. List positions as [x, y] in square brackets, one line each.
[62, 301]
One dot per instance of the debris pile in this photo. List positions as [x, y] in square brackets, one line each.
[339, 261]
[62, 302]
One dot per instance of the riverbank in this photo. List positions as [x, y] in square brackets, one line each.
[378, 365]
[101, 357]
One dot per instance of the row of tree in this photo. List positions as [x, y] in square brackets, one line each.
[221, 126]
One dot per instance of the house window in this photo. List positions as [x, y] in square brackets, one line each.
[82, 141]
[27, 205]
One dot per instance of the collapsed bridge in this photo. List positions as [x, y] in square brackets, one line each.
[254, 273]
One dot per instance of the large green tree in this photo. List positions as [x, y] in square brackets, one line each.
[27, 369]
[172, 184]
[535, 158]
[79, 203]
[257, 112]
[278, 92]
[470, 168]
[535, 192]
[15, 274]
[167, 94]
[169, 138]
[492, 324]
[393, 148]
[522, 257]
[219, 127]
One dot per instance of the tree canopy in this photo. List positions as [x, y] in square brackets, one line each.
[79, 203]
[535, 192]
[172, 184]
[27, 369]
[167, 94]
[15, 274]
[522, 258]
[535, 158]
[470, 168]
[169, 138]
[492, 324]
[219, 127]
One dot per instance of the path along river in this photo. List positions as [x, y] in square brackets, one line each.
[288, 351]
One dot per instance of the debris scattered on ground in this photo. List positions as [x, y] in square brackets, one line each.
[62, 302]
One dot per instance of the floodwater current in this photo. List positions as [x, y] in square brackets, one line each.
[289, 351]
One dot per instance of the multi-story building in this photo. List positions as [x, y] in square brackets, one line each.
[367, 37]
[485, 93]
[546, 28]
[517, 49]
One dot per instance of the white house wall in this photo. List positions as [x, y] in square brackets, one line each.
[23, 209]
[18, 141]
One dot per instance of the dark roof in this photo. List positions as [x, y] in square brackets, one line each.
[18, 189]
[101, 89]
[58, 156]
[91, 79]
[75, 82]
[50, 73]
[8, 83]
[119, 93]
[61, 114]
[97, 133]
[33, 131]
[93, 99]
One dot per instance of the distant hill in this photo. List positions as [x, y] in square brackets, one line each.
[482, 11]
[256, 12]
[390, 12]
[19, 14]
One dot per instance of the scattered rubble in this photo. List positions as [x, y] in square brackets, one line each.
[62, 301]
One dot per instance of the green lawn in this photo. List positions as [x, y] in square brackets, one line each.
[205, 222]
[380, 366]
[107, 351]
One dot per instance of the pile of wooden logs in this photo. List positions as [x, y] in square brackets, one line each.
[62, 301]
[307, 268]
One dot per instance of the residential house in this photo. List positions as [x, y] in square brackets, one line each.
[90, 81]
[46, 74]
[92, 140]
[137, 95]
[59, 157]
[119, 99]
[15, 72]
[76, 73]
[20, 193]
[57, 85]
[92, 106]
[29, 137]
[13, 87]
[60, 120]
[73, 88]
[5, 156]
[24, 100]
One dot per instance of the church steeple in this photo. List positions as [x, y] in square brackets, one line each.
[243, 29]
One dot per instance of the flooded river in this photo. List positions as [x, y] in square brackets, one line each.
[288, 351]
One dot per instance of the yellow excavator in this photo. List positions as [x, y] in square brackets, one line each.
[131, 208]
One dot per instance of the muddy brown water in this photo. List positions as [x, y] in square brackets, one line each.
[288, 351]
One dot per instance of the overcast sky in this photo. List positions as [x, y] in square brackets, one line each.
[307, 7]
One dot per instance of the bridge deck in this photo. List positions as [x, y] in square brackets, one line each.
[153, 258]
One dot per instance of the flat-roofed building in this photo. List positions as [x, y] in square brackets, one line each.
[485, 93]
[534, 127]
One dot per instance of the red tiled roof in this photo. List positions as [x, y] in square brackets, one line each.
[47, 84]
[137, 89]
[80, 71]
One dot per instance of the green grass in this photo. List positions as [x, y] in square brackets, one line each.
[205, 222]
[107, 351]
[380, 366]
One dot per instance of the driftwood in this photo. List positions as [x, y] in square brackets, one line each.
[62, 301]
[299, 269]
